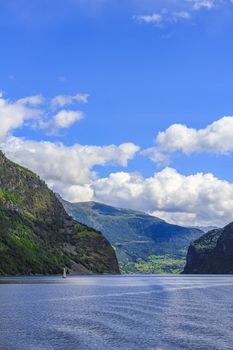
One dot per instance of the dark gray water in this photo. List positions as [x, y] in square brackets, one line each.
[117, 312]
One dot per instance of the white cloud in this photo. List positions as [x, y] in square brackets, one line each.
[14, 114]
[202, 4]
[64, 118]
[36, 112]
[64, 100]
[31, 100]
[187, 200]
[216, 138]
[164, 16]
[154, 18]
[66, 168]
[199, 199]
[174, 11]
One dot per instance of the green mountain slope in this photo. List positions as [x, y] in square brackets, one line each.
[212, 253]
[143, 243]
[36, 234]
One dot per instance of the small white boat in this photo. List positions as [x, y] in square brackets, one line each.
[64, 273]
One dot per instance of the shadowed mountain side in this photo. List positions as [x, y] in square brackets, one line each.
[212, 253]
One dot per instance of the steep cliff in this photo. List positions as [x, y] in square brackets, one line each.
[37, 236]
[212, 253]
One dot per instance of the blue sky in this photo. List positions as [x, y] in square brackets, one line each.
[145, 66]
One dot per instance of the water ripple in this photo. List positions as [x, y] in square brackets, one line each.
[117, 313]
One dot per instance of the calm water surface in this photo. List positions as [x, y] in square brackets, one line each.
[117, 312]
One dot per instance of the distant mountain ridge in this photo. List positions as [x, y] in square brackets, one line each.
[141, 241]
[212, 253]
[205, 229]
[37, 236]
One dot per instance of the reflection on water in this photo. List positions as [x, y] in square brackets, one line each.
[116, 312]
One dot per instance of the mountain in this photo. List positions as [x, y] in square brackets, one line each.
[206, 229]
[212, 253]
[143, 243]
[37, 236]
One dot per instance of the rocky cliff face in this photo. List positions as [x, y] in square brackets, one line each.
[36, 234]
[212, 253]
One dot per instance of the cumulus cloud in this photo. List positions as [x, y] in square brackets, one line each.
[199, 199]
[36, 112]
[64, 118]
[69, 170]
[216, 138]
[66, 169]
[64, 100]
[195, 199]
[14, 114]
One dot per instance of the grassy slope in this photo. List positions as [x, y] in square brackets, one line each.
[36, 234]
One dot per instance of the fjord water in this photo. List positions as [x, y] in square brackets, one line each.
[116, 312]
